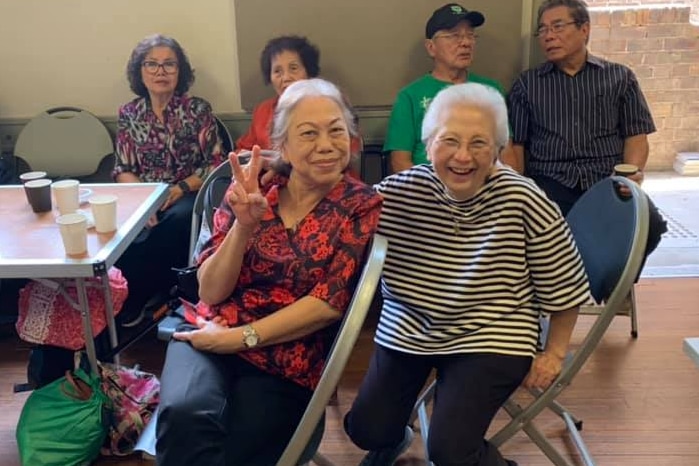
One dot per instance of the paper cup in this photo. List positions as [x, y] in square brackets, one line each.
[73, 229]
[625, 169]
[39, 195]
[29, 176]
[66, 195]
[104, 210]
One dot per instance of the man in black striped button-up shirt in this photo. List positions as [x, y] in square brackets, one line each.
[576, 116]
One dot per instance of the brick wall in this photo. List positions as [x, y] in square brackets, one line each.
[662, 48]
[694, 4]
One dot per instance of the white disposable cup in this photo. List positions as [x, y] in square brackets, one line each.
[67, 196]
[104, 210]
[29, 176]
[73, 229]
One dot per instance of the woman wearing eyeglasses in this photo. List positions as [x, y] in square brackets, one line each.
[164, 135]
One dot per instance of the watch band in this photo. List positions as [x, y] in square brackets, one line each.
[184, 186]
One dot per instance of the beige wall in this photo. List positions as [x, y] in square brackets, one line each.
[74, 52]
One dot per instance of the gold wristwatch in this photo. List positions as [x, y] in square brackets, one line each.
[250, 336]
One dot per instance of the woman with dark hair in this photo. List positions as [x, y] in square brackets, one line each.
[284, 60]
[164, 135]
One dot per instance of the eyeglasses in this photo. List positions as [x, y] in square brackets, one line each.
[555, 28]
[452, 145]
[457, 37]
[168, 67]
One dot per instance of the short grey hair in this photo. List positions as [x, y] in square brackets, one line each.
[578, 10]
[468, 94]
[294, 94]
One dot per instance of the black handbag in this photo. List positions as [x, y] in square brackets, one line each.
[187, 283]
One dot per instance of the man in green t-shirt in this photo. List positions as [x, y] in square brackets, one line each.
[450, 41]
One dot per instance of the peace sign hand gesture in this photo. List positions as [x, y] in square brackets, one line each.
[244, 197]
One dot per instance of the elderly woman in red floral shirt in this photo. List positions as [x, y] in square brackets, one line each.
[280, 269]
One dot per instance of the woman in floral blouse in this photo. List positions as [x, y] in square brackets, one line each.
[166, 136]
[279, 271]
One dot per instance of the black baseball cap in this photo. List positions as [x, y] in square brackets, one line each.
[449, 15]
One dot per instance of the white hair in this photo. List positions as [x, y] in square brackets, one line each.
[294, 94]
[468, 94]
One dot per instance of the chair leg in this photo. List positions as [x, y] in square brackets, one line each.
[542, 442]
[424, 430]
[513, 409]
[424, 398]
[632, 313]
[559, 409]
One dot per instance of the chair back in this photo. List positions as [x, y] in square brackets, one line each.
[64, 141]
[603, 224]
[225, 135]
[208, 198]
[610, 231]
[298, 450]
[373, 164]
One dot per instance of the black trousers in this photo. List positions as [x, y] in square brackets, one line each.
[218, 410]
[565, 197]
[147, 262]
[470, 390]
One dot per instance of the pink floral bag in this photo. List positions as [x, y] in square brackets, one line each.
[134, 396]
[46, 317]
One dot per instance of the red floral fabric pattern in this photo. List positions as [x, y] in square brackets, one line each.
[322, 258]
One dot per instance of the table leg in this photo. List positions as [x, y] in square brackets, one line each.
[109, 314]
[87, 324]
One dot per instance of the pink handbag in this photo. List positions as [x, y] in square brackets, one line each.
[46, 317]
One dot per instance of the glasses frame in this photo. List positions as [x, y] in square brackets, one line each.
[452, 146]
[456, 37]
[555, 28]
[149, 63]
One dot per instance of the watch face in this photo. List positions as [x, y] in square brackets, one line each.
[251, 340]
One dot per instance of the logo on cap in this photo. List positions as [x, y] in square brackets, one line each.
[456, 9]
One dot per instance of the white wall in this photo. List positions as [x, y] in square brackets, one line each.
[74, 52]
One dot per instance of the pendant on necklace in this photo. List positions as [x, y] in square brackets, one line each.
[457, 229]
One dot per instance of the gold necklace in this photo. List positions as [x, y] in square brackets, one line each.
[457, 221]
[295, 218]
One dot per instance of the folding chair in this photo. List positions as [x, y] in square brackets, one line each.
[225, 135]
[610, 232]
[64, 141]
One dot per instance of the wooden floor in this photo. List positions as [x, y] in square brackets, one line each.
[639, 399]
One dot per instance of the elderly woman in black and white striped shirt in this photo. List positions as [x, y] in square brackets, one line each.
[476, 253]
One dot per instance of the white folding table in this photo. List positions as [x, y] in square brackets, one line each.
[31, 246]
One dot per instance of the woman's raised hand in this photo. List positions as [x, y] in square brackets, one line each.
[244, 197]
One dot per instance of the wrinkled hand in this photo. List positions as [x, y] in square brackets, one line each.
[545, 368]
[244, 197]
[213, 336]
[636, 178]
[173, 196]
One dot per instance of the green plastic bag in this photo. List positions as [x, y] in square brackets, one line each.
[63, 423]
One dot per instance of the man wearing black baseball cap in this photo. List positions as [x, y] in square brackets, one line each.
[450, 39]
